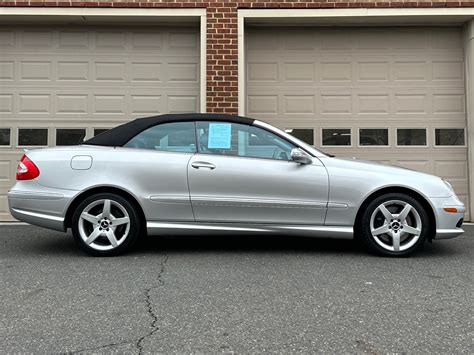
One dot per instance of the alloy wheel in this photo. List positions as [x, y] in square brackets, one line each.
[395, 225]
[104, 224]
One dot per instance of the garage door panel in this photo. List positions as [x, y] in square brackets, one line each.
[262, 72]
[263, 104]
[73, 39]
[355, 79]
[360, 70]
[406, 105]
[447, 39]
[335, 71]
[6, 103]
[75, 103]
[372, 70]
[146, 40]
[80, 104]
[299, 104]
[180, 103]
[82, 70]
[73, 70]
[7, 39]
[37, 104]
[448, 70]
[146, 72]
[411, 70]
[145, 104]
[7, 69]
[182, 72]
[298, 71]
[80, 77]
[335, 104]
[335, 40]
[453, 170]
[411, 103]
[372, 105]
[449, 104]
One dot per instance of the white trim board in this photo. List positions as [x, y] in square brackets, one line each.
[356, 12]
[118, 15]
[89, 11]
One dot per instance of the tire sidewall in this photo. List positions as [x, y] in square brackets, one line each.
[133, 233]
[366, 234]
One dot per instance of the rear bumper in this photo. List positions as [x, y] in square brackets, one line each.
[38, 219]
[44, 207]
[448, 223]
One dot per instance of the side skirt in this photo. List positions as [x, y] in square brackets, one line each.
[190, 228]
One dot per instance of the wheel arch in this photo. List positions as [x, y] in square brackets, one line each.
[102, 189]
[404, 190]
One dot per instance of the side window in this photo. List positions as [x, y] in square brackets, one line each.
[169, 137]
[235, 139]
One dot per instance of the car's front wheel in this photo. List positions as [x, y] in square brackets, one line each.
[394, 225]
[105, 224]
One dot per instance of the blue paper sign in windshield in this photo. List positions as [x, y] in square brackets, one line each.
[219, 135]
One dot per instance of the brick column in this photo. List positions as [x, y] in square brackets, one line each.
[222, 57]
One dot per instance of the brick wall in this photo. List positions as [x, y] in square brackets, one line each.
[222, 30]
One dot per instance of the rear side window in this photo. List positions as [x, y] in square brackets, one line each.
[169, 137]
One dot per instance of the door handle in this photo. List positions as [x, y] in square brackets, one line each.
[203, 164]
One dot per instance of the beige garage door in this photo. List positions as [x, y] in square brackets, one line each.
[59, 84]
[394, 95]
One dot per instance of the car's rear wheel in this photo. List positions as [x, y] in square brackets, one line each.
[105, 224]
[394, 225]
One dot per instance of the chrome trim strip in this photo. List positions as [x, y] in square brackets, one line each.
[343, 232]
[34, 195]
[199, 226]
[248, 202]
[337, 205]
[180, 199]
[38, 215]
[448, 233]
[336, 229]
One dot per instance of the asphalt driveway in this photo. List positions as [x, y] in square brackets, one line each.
[239, 295]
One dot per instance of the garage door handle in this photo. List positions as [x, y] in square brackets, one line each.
[203, 164]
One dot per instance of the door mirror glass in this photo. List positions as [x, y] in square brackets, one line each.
[301, 157]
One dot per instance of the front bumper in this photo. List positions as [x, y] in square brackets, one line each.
[448, 224]
[35, 204]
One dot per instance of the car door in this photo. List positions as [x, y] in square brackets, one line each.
[156, 167]
[245, 174]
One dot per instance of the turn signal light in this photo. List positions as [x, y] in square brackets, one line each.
[26, 170]
[450, 209]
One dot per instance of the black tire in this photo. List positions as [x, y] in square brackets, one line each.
[120, 207]
[380, 244]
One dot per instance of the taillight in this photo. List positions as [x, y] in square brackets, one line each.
[26, 170]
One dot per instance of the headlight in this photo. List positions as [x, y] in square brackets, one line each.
[448, 185]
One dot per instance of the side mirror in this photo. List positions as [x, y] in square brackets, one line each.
[299, 156]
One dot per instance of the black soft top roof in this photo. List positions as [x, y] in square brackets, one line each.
[118, 136]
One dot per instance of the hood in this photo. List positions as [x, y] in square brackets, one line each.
[373, 176]
[366, 164]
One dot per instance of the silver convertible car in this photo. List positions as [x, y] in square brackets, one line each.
[203, 173]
